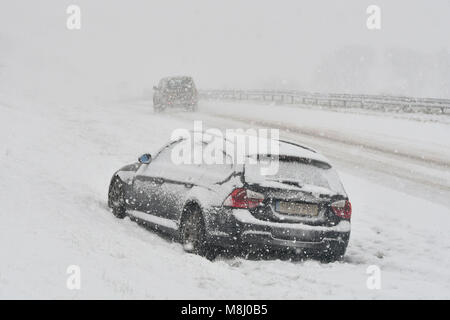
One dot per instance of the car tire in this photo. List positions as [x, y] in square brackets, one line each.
[193, 234]
[116, 198]
[191, 107]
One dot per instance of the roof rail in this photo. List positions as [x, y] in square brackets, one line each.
[298, 145]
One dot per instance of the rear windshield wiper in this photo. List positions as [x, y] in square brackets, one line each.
[289, 182]
[307, 187]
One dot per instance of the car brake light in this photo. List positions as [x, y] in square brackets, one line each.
[243, 198]
[342, 208]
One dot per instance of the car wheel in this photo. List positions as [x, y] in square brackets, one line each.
[117, 199]
[193, 236]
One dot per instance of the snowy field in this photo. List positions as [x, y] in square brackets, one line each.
[55, 166]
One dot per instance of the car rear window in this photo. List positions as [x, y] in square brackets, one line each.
[180, 83]
[298, 172]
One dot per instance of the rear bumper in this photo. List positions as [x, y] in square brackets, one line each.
[178, 101]
[252, 233]
[266, 240]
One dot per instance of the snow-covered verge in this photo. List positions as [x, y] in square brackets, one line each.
[55, 166]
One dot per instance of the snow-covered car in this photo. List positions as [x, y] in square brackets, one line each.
[175, 92]
[302, 209]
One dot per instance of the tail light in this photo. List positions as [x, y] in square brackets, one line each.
[342, 208]
[243, 198]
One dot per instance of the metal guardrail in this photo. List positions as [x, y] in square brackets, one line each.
[374, 102]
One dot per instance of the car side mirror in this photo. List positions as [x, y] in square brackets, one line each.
[146, 158]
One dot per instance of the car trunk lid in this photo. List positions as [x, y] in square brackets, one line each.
[299, 192]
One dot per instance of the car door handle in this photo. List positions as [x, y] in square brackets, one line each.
[152, 180]
[157, 181]
[142, 178]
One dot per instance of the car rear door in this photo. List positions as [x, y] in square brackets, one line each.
[179, 181]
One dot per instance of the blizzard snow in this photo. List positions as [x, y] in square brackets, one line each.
[56, 162]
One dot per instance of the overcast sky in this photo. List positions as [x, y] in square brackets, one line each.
[124, 47]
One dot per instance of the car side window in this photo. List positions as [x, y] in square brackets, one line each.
[186, 170]
[162, 84]
[162, 163]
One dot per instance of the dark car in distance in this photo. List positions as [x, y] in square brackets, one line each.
[301, 210]
[175, 92]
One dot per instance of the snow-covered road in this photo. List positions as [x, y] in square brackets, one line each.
[55, 166]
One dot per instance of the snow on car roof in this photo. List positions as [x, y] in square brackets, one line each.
[177, 78]
[293, 150]
[286, 148]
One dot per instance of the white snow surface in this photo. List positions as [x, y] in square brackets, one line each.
[56, 162]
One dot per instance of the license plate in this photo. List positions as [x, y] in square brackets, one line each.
[296, 208]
